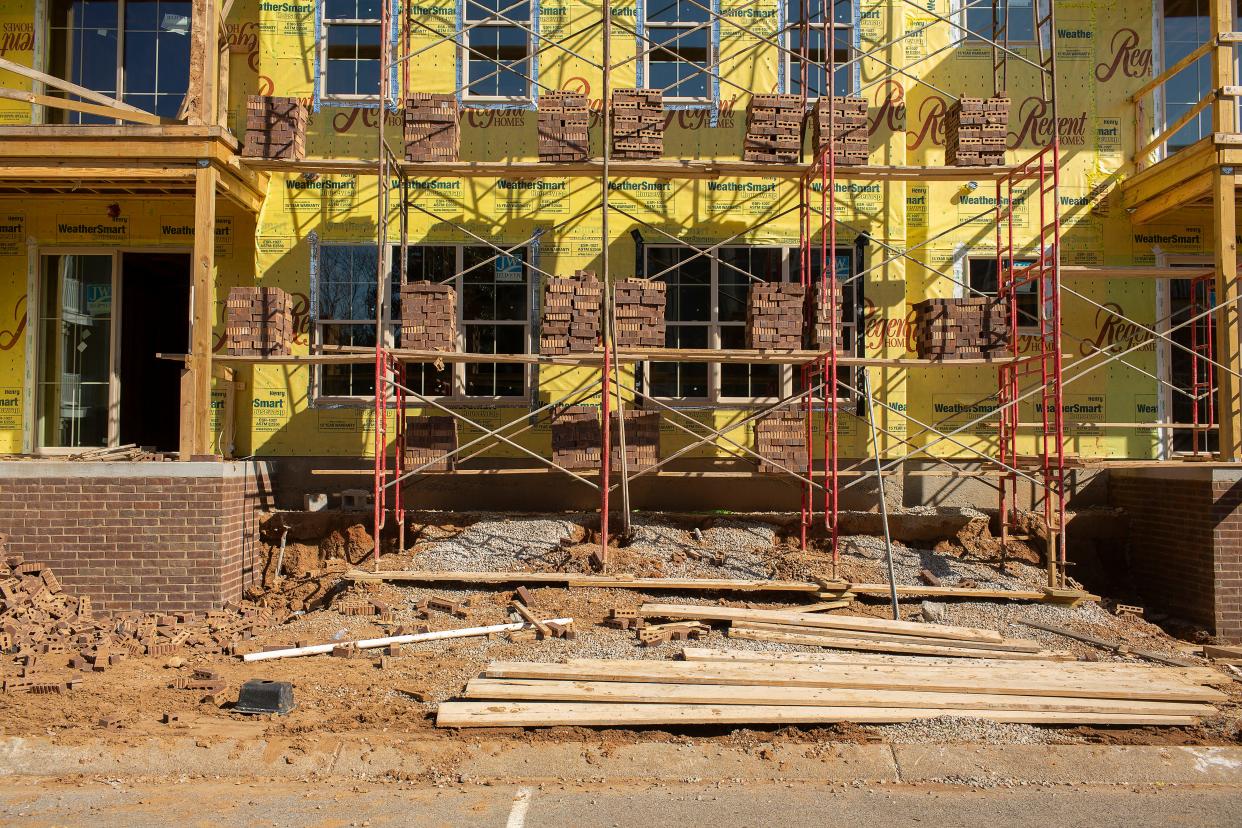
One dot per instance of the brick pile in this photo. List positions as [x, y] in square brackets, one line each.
[576, 437]
[821, 314]
[975, 130]
[258, 322]
[429, 438]
[40, 624]
[774, 315]
[640, 305]
[781, 437]
[637, 123]
[846, 132]
[571, 314]
[976, 327]
[773, 129]
[275, 128]
[432, 132]
[428, 317]
[563, 127]
[642, 439]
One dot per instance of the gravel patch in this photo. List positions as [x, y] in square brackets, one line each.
[497, 543]
[949, 728]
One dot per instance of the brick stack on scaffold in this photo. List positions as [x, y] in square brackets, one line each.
[428, 317]
[275, 128]
[774, 315]
[258, 322]
[432, 131]
[429, 439]
[563, 127]
[821, 312]
[975, 131]
[640, 305]
[773, 129]
[576, 437]
[780, 437]
[642, 439]
[637, 123]
[845, 132]
[571, 314]
[972, 328]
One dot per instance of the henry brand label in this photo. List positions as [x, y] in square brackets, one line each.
[10, 409]
[270, 409]
[12, 234]
[91, 228]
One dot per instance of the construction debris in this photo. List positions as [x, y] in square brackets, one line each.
[1120, 649]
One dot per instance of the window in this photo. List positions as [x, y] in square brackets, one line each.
[982, 278]
[492, 316]
[707, 299]
[681, 54]
[1020, 21]
[350, 50]
[497, 52]
[134, 50]
[815, 30]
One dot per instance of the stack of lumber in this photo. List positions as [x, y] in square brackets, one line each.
[845, 632]
[428, 317]
[975, 131]
[821, 313]
[642, 439]
[429, 439]
[845, 132]
[275, 128]
[258, 322]
[637, 123]
[640, 306]
[774, 314]
[776, 688]
[571, 314]
[576, 437]
[780, 437]
[773, 129]
[431, 127]
[974, 327]
[563, 127]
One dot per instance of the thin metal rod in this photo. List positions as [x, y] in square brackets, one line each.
[879, 479]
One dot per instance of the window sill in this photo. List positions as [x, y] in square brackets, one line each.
[516, 103]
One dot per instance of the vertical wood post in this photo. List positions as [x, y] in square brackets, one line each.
[196, 411]
[1224, 225]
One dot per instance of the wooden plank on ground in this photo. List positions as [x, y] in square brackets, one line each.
[841, 622]
[587, 714]
[840, 642]
[1020, 645]
[646, 693]
[1222, 654]
[575, 579]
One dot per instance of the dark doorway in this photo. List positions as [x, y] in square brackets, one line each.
[155, 318]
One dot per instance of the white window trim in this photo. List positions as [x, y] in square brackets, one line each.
[458, 392]
[325, 96]
[712, 57]
[792, 26]
[464, 56]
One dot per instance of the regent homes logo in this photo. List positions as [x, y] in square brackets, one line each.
[1127, 57]
[16, 37]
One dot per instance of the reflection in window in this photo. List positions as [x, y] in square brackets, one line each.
[497, 51]
[351, 49]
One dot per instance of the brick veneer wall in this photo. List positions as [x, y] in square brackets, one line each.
[167, 537]
[1184, 542]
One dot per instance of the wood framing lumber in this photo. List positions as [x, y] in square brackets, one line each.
[1015, 645]
[569, 714]
[65, 86]
[105, 110]
[698, 612]
[875, 676]
[1109, 645]
[840, 643]
[1222, 654]
[371, 643]
[645, 693]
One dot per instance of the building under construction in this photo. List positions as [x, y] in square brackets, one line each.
[747, 255]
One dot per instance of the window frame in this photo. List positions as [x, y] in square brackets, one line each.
[491, 22]
[983, 37]
[392, 327]
[322, 55]
[792, 27]
[648, 47]
[1027, 327]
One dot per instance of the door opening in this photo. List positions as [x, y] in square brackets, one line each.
[155, 318]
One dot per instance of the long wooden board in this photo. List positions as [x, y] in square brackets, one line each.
[568, 714]
[696, 612]
[873, 676]
[1016, 645]
[640, 693]
[868, 645]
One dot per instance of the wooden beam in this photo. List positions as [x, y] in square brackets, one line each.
[1172, 199]
[66, 86]
[203, 280]
[1131, 271]
[1170, 130]
[1169, 172]
[79, 106]
[808, 638]
[1224, 224]
[1199, 52]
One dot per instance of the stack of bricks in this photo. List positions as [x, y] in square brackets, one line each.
[843, 125]
[821, 314]
[971, 328]
[576, 437]
[774, 315]
[773, 129]
[637, 123]
[431, 127]
[780, 437]
[640, 305]
[562, 127]
[571, 315]
[258, 322]
[642, 439]
[428, 317]
[429, 439]
[275, 128]
[975, 131]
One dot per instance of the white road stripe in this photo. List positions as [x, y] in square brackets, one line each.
[521, 804]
